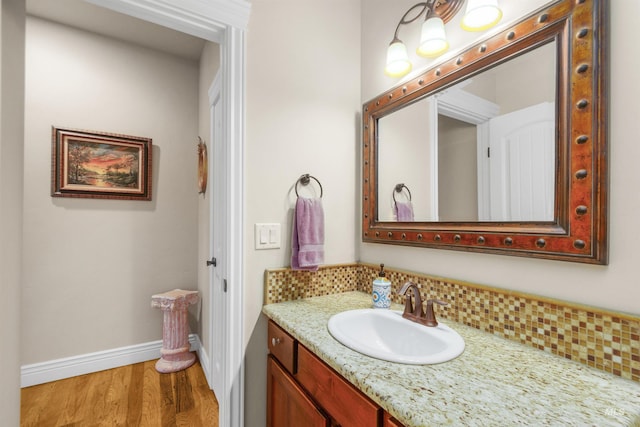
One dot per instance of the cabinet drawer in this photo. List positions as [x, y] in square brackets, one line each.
[282, 346]
[347, 405]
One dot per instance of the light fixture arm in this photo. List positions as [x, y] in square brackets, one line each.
[425, 6]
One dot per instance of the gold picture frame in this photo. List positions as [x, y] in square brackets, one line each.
[100, 165]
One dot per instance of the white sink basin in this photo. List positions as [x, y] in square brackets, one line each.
[386, 335]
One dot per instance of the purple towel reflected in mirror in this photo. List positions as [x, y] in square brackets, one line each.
[404, 211]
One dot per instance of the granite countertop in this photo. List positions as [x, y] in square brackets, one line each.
[495, 382]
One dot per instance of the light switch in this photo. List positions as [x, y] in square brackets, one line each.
[267, 235]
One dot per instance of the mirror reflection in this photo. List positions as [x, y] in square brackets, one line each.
[481, 150]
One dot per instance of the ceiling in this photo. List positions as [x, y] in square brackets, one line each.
[96, 19]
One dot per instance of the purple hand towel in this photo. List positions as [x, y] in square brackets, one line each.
[404, 211]
[307, 239]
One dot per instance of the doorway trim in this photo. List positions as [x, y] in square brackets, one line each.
[223, 22]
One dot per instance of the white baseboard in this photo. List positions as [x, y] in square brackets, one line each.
[204, 361]
[53, 370]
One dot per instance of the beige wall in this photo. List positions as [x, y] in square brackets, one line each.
[209, 65]
[457, 170]
[303, 105]
[11, 136]
[521, 82]
[514, 91]
[92, 265]
[405, 153]
[614, 286]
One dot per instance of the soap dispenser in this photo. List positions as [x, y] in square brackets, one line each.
[381, 290]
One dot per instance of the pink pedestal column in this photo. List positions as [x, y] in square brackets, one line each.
[175, 329]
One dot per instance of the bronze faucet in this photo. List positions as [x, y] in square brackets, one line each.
[414, 312]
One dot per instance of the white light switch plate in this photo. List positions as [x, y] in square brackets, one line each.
[267, 236]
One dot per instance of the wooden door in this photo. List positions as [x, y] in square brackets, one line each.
[287, 404]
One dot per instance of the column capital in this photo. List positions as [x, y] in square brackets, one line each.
[176, 299]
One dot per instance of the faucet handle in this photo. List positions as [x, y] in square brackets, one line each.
[437, 301]
[430, 317]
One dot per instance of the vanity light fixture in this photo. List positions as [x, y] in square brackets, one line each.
[433, 39]
[480, 15]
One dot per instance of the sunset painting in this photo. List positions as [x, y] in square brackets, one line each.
[100, 165]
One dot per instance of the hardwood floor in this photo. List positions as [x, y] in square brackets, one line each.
[134, 395]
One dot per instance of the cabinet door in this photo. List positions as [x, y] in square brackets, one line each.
[389, 421]
[348, 406]
[287, 403]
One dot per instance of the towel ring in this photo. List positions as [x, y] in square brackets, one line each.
[304, 180]
[398, 189]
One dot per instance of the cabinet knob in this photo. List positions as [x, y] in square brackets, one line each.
[275, 341]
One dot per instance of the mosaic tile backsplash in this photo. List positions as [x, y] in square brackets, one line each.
[602, 339]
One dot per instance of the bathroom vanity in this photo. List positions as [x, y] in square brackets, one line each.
[494, 382]
[303, 390]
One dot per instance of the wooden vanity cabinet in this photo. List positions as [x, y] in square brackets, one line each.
[287, 403]
[303, 390]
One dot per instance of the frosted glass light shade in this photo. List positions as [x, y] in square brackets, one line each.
[433, 40]
[481, 15]
[398, 63]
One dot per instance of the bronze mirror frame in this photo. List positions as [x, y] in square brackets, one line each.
[578, 232]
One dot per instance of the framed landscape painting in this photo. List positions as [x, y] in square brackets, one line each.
[100, 165]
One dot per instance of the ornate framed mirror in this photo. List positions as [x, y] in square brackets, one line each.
[503, 147]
